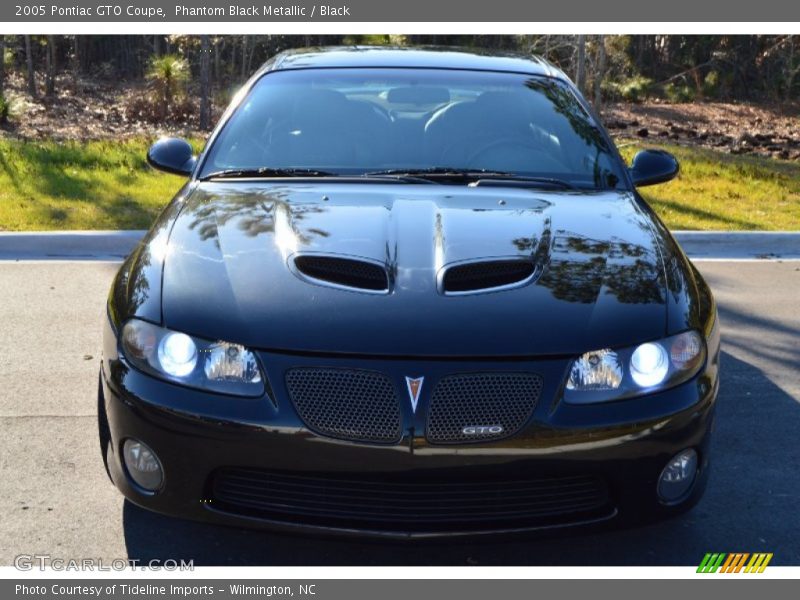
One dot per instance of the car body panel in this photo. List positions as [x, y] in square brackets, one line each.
[431, 57]
[232, 245]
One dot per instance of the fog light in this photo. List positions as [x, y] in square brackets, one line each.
[143, 465]
[678, 476]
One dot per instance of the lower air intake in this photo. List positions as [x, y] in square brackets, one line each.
[399, 502]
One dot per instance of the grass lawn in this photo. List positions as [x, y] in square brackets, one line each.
[717, 190]
[95, 185]
[108, 185]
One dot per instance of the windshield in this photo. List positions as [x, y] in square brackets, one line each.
[371, 121]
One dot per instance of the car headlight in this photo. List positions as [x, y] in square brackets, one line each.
[605, 375]
[210, 365]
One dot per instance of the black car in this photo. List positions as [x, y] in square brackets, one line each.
[409, 293]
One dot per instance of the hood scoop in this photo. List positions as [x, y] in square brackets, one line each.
[486, 276]
[342, 272]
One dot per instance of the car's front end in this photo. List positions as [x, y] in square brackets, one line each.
[464, 423]
[564, 468]
[422, 354]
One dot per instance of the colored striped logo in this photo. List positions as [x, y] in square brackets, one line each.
[734, 562]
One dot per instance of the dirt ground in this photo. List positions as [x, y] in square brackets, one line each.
[93, 109]
[763, 129]
[89, 109]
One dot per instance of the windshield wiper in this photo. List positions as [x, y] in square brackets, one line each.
[428, 171]
[526, 180]
[267, 172]
[426, 175]
[473, 176]
[399, 175]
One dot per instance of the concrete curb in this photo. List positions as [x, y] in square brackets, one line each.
[738, 245]
[68, 245]
[116, 245]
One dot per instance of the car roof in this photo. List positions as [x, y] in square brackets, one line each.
[410, 57]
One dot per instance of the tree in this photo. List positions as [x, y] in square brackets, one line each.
[600, 72]
[205, 82]
[790, 69]
[244, 57]
[2, 63]
[219, 47]
[580, 74]
[50, 80]
[29, 62]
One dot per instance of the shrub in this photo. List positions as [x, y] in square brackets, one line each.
[5, 109]
[146, 108]
[169, 75]
[8, 59]
[711, 84]
[634, 89]
[185, 110]
[679, 93]
[223, 97]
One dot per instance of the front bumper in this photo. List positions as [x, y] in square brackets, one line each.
[622, 445]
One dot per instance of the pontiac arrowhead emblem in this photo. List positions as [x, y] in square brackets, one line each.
[414, 385]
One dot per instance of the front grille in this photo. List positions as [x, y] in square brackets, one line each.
[402, 502]
[347, 404]
[481, 400]
[348, 272]
[485, 275]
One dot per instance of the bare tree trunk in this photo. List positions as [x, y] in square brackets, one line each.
[2, 64]
[790, 71]
[217, 43]
[601, 72]
[157, 45]
[75, 59]
[80, 50]
[205, 82]
[50, 81]
[252, 45]
[244, 57]
[29, 62]
[580, 73]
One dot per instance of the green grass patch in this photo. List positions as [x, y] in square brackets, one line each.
[108, 185]
[717, 190]
[69, 185]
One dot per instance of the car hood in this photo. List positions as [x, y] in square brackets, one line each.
[227, 269]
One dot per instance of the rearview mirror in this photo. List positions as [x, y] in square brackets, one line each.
[653, 166]
[172, 155]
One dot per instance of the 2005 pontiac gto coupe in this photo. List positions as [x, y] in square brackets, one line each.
[409, 293]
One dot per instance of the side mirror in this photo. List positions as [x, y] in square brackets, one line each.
[653, 166]
[172, 155]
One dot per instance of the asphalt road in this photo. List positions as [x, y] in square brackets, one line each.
[57, 500]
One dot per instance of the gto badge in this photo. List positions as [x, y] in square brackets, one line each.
[482, 430]
[414, 385]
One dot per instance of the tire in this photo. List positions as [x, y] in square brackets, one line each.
[103, 430]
